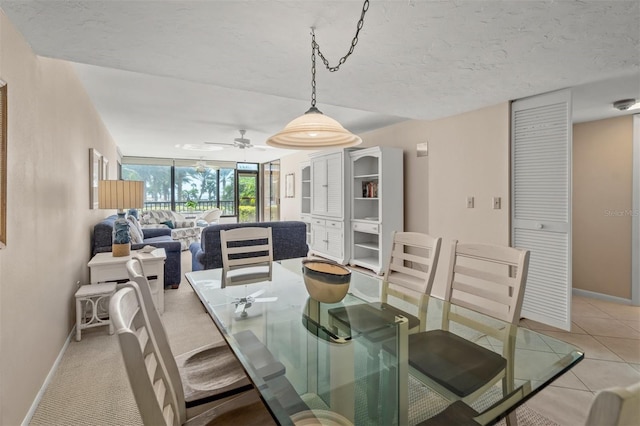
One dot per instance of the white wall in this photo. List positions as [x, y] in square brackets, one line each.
[51, 126]
[468, 156]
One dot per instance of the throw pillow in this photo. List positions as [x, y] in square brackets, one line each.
[169, 223]
[136, 223]
[136, 237]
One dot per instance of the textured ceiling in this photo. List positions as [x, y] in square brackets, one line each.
[163, 73]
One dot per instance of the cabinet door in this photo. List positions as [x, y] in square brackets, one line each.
[335, 185]
[335, 243]
[319, 186]
[318, 237]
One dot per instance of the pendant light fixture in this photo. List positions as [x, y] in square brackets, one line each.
[313, 129]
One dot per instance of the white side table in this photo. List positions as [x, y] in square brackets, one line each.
[92, 296]
[106, 268]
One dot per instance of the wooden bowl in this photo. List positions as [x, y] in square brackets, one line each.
[326, 281]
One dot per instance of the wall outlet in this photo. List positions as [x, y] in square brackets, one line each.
[469, 202]
[496, 203]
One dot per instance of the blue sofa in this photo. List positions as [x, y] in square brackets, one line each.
[158, 237]
[289, 239]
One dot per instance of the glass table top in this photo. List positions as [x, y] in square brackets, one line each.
[335, 358]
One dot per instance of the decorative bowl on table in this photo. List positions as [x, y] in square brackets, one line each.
[326, 281]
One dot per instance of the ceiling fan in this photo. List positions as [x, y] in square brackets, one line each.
[240, 142]
[201, 166]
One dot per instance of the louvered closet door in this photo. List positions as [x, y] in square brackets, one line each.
[319, 186]
[541, 197]
[335, 184]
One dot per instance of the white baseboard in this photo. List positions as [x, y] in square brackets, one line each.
[45, 384]
[600, 296]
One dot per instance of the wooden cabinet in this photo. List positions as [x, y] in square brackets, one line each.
[329, 205]
[327, 185]
[377, 203]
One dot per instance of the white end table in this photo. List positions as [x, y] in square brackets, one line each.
[92, 296]
[107, 268]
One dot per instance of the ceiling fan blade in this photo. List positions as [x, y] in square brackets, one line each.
[265, 299]
[219, 143]
[240, 307]
[256, 294]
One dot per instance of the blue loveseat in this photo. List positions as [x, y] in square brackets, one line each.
[159, 237]
[289, 239]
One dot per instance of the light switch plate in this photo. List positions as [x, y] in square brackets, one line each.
[469, 202]
[497, 203]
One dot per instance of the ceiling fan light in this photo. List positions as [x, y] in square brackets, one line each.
[313, 130]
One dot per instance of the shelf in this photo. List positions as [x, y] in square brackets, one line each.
[374, 175]
[366, 262]
[369, 246]
[366, 198]
[306, 198]
[306, 181]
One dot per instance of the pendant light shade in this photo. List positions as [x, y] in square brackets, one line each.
[313, 130]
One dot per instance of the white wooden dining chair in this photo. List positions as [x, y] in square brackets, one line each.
[406, 285]
[486, 279]
[209, 372]
[616, 406]
[247, 255]
[410, 273]
[156, 392]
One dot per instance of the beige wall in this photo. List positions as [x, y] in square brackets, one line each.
[468, 156]
[51, 126]
[602, 180]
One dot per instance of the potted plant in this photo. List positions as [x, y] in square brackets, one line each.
[191, 205]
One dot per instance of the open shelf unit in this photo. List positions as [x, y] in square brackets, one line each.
[376, 205]
[305, 194]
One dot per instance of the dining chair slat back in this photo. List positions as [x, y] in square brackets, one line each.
[207, 373]
[485, 279]
[152, 388]
[247, 255]
[411, 270]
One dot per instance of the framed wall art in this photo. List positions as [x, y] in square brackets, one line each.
[289, 185]
[3, 164]
[95, 170]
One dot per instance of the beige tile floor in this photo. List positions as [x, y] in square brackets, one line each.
[609, 334]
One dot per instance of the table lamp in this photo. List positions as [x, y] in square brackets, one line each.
[121, 195]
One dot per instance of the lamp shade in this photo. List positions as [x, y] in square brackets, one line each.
[120, 194]
[313, 130]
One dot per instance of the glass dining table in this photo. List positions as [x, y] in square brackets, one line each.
[338, 365]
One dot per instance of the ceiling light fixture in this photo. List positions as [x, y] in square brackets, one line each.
[626, 104]
[313, 129]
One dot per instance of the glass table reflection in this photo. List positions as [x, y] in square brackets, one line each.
[335, 360]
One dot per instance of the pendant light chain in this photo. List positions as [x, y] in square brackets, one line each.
[365, 7]
[316, 47]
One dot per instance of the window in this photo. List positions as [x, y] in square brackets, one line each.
[157, 182]
[184, 185]
[202, 188]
